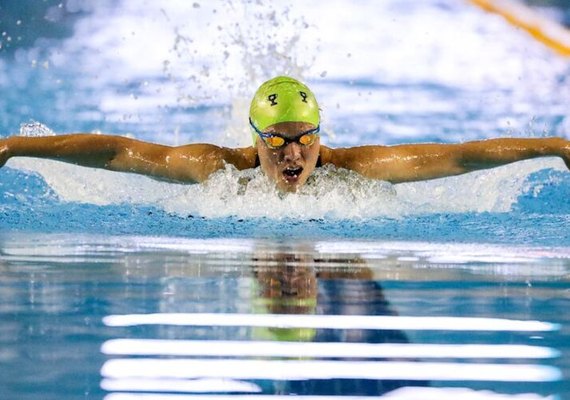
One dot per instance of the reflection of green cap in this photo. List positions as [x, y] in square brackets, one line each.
[285, 334]
[263, 305]
[283, 99]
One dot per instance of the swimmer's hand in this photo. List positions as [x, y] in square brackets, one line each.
[565, 153]
[3, 152]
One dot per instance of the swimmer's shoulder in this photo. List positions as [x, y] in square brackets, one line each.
[346, 157]
[213, 156]
[327, 155]
[242, 157]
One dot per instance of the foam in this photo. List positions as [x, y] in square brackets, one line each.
[329, 193]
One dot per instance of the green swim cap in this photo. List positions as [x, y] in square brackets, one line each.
[263, 305]
[284, 334]
[283, 99]
[307, 306]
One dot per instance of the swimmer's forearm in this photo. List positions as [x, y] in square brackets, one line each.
[437, 161]
[115, 153]
[456, 159]
[496, 152]
[81, 149]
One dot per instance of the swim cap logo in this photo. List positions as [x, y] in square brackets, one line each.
[304, 96]
[272, 98]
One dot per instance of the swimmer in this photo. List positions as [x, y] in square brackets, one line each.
[284, 120]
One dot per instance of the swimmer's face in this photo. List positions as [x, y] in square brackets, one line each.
[288, 166]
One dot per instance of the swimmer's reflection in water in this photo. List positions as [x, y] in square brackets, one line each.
[287, 283]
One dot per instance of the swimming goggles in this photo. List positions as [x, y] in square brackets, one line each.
[277, 140]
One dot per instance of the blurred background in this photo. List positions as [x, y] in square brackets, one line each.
[179, 71]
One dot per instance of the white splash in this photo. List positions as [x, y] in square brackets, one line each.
[35, 128]
[329, 193]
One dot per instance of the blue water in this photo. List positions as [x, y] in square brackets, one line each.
[538, 216]
[79, 245]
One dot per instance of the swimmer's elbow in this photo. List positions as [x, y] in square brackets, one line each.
[129, 155]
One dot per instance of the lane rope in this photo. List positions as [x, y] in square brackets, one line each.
[544, 30]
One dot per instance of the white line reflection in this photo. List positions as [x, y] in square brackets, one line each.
[407, 393]
[221, 348]
[301, 370]
[179, 385]
[384, 322]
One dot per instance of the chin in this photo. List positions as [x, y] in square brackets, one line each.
[287, 188]
[290, 187]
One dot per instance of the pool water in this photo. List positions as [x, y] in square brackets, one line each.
[126, 316]
[117, 286]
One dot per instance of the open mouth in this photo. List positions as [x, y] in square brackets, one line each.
[292, 173]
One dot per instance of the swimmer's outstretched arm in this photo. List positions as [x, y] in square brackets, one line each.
[190, 163]
[415, 162]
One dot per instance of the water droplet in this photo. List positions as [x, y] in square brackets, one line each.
[34, 128]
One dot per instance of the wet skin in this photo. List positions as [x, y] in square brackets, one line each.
[291, 165]
[288, 167]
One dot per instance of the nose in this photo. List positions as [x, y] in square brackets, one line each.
[292, 152]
